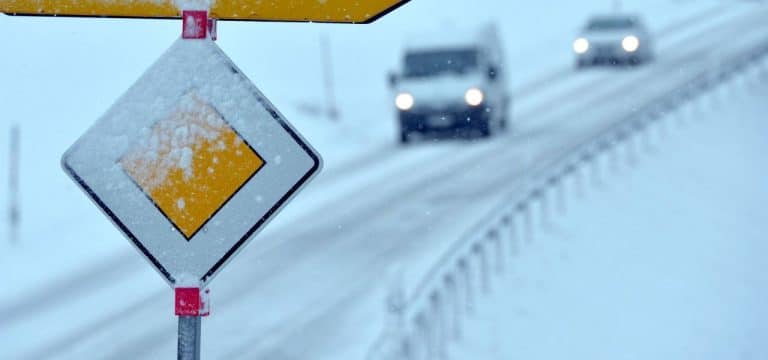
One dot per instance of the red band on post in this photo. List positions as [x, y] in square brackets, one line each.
[194, 24]
[192, 302]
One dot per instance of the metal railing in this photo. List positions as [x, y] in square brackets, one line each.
[424, 322]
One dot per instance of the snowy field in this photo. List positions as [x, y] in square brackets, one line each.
[53, 115]
[77, 285]
[664, 260]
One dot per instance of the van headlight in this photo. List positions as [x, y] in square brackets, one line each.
[580, 45]
[630, 43]
[404, 101]
[474, 96]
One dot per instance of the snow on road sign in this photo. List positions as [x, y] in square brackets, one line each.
[191, 161]
[341, 11]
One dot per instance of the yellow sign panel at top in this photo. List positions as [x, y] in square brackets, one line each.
[338, 11]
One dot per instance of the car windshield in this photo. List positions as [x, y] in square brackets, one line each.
[611, 24]
[435, 62]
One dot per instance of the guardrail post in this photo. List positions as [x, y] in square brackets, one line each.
[717, 77]
[663, 129]
[439, 325]
[541, 196]
[452, 288]
[629, 150]
[593, 159]
[754, 78]
[553, 183]
[561, 188]
[578, 180]
[511, 232]
[423, 351]
[646, 134]
[480, 252]
[395, 304]
[686, 107]
[467, 276]
[703, 83]
[525, 208]
[406, 348]
[495, 238]
[614, 154]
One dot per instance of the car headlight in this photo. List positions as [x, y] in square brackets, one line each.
[630, 43]
[474, 96]
[404, 101]
[580, 45]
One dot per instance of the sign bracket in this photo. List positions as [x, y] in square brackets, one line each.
[197, 24]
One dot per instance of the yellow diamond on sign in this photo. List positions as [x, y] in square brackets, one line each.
[190, 164]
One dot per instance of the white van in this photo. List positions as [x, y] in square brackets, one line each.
[452, 86]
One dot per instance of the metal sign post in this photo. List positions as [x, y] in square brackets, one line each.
[189, 338]
[191, 305]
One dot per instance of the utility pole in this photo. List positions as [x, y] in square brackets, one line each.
[332, 111]
[617, 6]
[14, 215]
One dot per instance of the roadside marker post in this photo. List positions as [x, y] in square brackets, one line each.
[192, 161]
[14, 213]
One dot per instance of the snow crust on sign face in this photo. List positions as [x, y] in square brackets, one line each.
[172, 142]
[176, 134]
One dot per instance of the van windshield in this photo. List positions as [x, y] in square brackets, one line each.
[435, 62]
[611, 24]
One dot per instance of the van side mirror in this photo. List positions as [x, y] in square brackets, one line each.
[492, 73]
[393, 79]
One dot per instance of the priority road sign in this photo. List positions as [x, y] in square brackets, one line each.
[334, 11]
[191, 162]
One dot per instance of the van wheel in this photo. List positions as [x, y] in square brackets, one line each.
[404, 137]
[485, 130]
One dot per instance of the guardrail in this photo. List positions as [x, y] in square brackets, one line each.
[422, 324]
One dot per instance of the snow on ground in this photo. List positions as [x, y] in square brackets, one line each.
[664, 261]
[66, 72]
